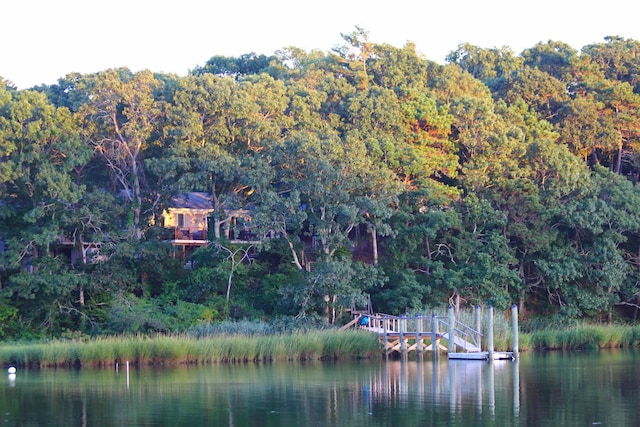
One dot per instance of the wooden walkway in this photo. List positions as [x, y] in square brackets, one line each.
[404, 334]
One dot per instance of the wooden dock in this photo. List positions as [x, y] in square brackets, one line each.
[404, 334]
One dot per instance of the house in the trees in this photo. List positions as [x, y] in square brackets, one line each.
[188, 216]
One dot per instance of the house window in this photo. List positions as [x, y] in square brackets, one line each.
[180, 220]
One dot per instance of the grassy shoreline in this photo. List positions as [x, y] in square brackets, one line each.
[582, 337]
[298, 346]
[186, 349]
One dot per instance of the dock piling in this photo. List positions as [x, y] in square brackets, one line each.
[419, 338]
[477, 314]
[434, 336]
[490, 347]
[403, 344]
[514, 329]
[384, 337]
[452, 330]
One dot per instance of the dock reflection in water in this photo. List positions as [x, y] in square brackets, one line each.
[459, 384]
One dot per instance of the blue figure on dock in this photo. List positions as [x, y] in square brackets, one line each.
[363, 321]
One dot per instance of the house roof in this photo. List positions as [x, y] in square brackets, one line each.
[194, 200]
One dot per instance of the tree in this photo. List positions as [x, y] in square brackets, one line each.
[41, 150]
[46, 297]
[418, 252]
[589, 270]
[599, 120]
[332, 176]
[280, 214]
[244, 65]
[352, 57]
[236, 256]
[491, 66]
[618, 59]
[539, 90]
[332, 286]
[553, 57]
[121, 122]
[217, 127]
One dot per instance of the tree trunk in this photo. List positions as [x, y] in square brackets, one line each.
[326, 309]
[333, 310]
[454, 301]
[218, 213]
[294, 254]
[229, 284]
[374, 242]
[137, 203]
[619, 161]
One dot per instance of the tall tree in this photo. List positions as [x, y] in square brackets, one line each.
[618, 59]
[553, 57]
[41, 149]
[244, 65]
[218, 127]
[352, 57]
[590, 270]
[491, 66]
[121, 120]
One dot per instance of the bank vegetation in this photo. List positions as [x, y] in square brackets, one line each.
[363, 176]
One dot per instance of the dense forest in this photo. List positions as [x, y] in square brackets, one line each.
[494, 178]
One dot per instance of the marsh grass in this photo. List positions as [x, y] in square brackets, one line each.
[582, 337]
[245, 346]
[187, 349]
[572, 336]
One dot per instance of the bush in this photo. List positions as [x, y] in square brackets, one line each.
[129, 314]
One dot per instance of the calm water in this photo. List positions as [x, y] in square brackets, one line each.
[552, 389]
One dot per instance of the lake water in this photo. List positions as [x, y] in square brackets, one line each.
[550, 389]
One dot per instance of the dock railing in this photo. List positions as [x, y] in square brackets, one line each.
[405, 333]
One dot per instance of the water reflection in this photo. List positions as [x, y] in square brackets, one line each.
[546, 390]
[458, 385]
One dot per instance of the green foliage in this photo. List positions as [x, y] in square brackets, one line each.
[332, 285]
[129, 314]
[247, 64]
[8, 319]
[46, 297]
[367, 171]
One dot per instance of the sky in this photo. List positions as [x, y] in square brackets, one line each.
[44, 40]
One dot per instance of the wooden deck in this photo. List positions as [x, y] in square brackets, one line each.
[404, 334]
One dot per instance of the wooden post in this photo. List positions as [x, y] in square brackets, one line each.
[384, 337]
[452, 330]
[434, 336]
[490, 332]
[477, 311]
[419, 336]
[402, 326]
[514, 329]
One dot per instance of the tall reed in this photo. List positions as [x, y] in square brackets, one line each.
[586, 336]
[184, 349]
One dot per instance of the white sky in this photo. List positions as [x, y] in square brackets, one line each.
[44, 40]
